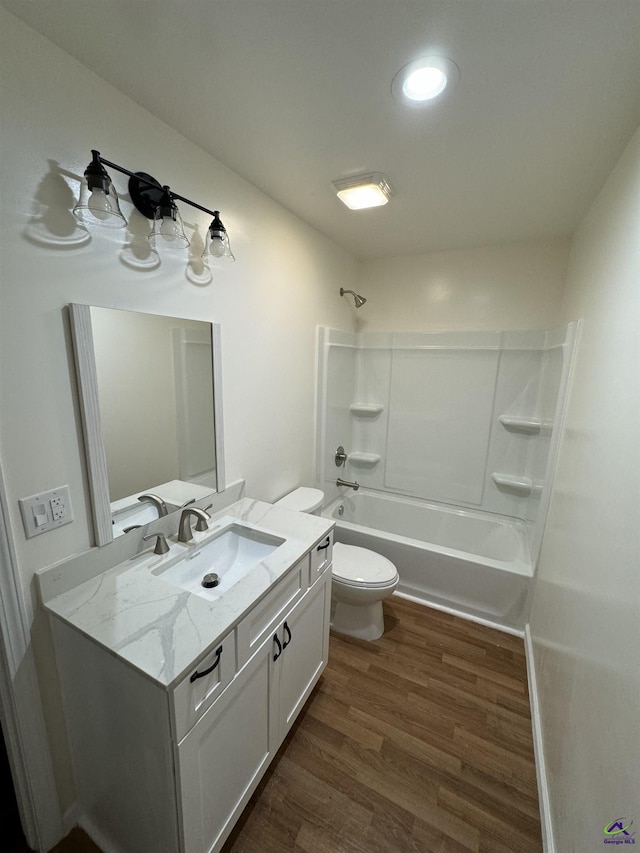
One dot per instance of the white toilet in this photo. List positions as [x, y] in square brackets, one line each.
[361, 579]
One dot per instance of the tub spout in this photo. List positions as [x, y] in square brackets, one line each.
[354, 486]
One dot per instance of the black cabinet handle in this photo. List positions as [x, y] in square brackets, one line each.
[277, 642]
[204, 672]
[287, 641]
[325, 545]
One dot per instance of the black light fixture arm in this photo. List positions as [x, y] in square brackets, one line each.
[146, 192]
[105, 162]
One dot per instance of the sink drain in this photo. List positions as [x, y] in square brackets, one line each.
[210, 580]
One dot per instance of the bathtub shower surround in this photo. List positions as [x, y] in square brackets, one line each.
[461, 560]
[463, 426]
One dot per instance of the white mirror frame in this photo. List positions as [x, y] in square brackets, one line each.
[95, 452]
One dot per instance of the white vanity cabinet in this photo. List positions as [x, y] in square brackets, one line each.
[221, 760]
[170, 770]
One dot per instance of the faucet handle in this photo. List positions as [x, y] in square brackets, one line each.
[131, 527]
[162, 547]
[188, 503]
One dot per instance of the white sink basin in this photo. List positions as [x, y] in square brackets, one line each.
[230, 554]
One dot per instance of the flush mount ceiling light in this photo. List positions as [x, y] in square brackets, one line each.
[362, 191]
[98, 205]
[424, 80]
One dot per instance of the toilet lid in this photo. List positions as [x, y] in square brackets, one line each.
[303, 499]
[354, 566]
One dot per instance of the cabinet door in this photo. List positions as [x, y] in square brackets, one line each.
[304, 638]
[224, 756]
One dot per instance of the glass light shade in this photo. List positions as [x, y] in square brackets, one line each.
[168, 230]
[98, 204]
[217, 241]
[217, 246]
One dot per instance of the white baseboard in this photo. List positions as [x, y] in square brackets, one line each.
[470, 617]
[99, 839]
[548, 843]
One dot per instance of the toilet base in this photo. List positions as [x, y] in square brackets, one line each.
[363, 621]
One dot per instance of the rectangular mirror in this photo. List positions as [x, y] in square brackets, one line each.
[151, 401]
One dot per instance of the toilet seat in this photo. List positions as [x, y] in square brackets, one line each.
[360, 567]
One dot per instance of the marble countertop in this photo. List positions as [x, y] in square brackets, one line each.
[161, 629]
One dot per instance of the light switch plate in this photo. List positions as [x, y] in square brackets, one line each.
[45, 511]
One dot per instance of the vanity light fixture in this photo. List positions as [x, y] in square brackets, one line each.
[423, 80]
[98, 205]
[362, 191]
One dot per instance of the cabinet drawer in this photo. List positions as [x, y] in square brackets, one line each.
[321, 557]
[200, 689]
[266, 615]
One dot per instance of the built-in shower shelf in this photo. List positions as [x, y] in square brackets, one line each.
[366, 410]
[523, 485]
[523, 424]
[364, 460]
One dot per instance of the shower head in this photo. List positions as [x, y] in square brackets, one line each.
[359, 300]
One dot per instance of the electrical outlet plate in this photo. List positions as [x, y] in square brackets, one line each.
[46, 511]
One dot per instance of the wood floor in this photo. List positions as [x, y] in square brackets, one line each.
[419, 741]
[76, 842]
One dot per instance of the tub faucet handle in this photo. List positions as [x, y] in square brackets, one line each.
[340, 456]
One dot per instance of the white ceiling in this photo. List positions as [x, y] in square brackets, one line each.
[292, 94]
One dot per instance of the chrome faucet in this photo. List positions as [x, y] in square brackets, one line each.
[185, 533]
[354, 486]
[159, 504]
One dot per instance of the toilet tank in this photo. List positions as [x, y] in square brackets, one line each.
[303, 499]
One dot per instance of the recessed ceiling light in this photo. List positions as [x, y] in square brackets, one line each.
[361, 191]
[423, 80]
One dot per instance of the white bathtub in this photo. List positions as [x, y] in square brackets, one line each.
[459, 560]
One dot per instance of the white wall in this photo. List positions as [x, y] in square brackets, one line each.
[508, 287]
[285, 280]
[584, 623]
